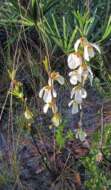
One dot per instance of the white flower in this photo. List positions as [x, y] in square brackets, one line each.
[74, 60]
[75, 106]
[47, 92]
[55, 76]
[75, 76]
[89, 51]
[85, 72]
[80, 134]
[89, 48]
[79, 93]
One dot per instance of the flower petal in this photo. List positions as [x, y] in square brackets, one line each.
[71, 61]
[73, 80]
[83, 93]
[86, 53]
[60, 80]
[91, 52]
[54, 93]
[75, 108]
[70, 103]
[72, 92]
[45, 108]
[47, 96]
[75, 76]
[78, 97]
[76, 45]
[78, 60]
[90, 75]
[41, 92]
[96, 47]
[74, 61]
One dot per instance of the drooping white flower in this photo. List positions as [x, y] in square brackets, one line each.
[89, 48]
[80, 134]
[89, 51]
[75, 106]
[74, 60]
[47, 92]
[75, 76]
[85, 72]
[55, 76]
[81, 74]
[78, 93]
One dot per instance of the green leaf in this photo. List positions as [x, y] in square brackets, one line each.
[107, 32]
[65, 33]
[33, 2]
[56, 27]
[35, 9]
[26, 22]
[60, 139]
[48, 5]
[72, 38]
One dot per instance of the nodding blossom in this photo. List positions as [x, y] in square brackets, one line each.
[80, 71]
[49, 96]
[89, 48]
[85, 71]
[78, 93]
[74, 60]
[75, 77]
[48, 93]
[55, 76]
[80, 134]
[74, 105]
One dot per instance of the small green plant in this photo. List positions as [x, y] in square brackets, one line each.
[98, 161]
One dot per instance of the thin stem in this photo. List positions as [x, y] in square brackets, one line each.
[81, 118]
[3, 107]
[102, 128]
[38, 150]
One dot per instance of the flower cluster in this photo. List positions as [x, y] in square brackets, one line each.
[80, 71]
[49, 95]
